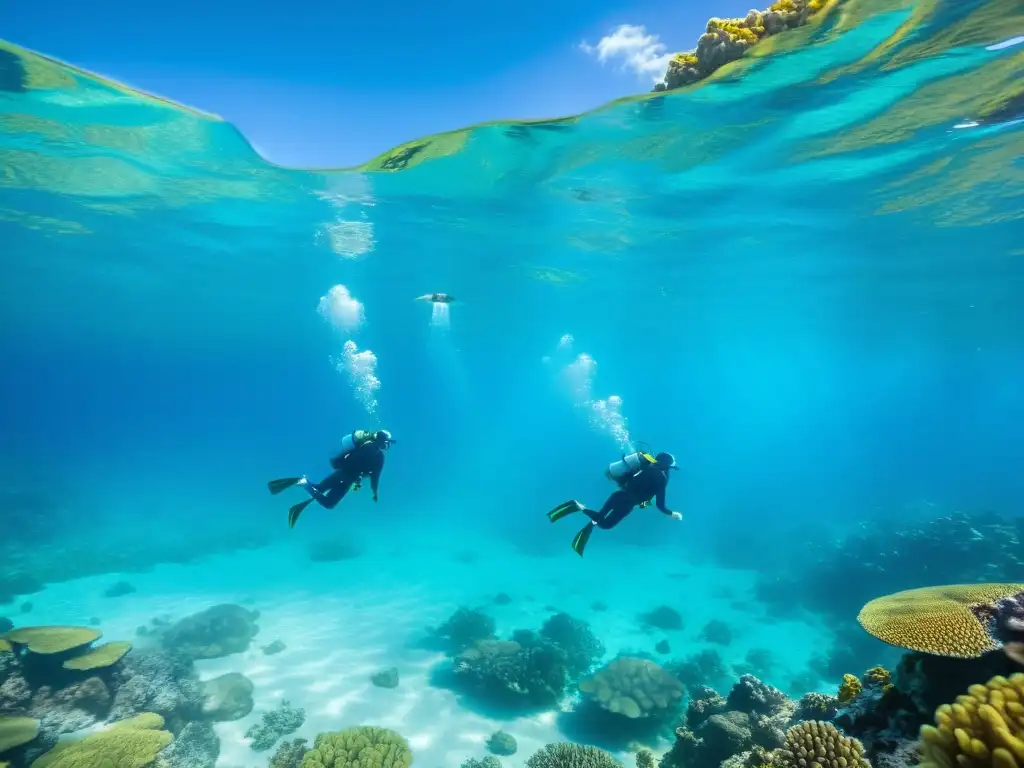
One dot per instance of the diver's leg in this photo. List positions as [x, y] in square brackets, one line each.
[612, 513]
[332, 489]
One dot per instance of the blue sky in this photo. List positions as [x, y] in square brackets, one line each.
[328, 84]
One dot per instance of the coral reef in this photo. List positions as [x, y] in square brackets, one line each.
[289, 754]
[726, 40]
[486, 762]
[197, 746]
[663, 647]
[984, 727]
[275, 725]
[645, 759]
[816, 706]
[385, 678]
[818, 743]
[100, 657]
[563, 755]
[129, 744]
[218, 631]
[514, 674]
[156, 681]
[663, 617]
[961, 621]
[15, 731]
[634, 688]
[501, 743]
[581, 647]
[362, 747]
[704, 668]
[502, 599]
[51, 640]
[464, 629]
[227, 697]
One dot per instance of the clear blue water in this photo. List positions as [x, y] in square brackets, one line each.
[801, 277]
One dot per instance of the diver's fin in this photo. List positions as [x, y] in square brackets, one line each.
[294, 512]
[563, 509]
[579, 542]
[276, 486]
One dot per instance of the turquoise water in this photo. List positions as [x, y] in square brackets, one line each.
[801, 277]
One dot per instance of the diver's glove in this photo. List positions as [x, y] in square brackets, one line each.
[375, 497]
[677, 515]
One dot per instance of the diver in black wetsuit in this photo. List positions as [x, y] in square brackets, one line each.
[362, 456]
[640, 478]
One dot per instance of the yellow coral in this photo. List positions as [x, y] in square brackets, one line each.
[52, 639]
[849, 689]
[5, 647]
[814, 743]
[104, 656]
[936, 620]
[688, 59]
[983, 728]
[362, 747]
[16, 730]
[783, 6]
[130, 743]
[879, 675]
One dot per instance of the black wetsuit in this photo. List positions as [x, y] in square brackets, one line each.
[365, 461]
[649, 482]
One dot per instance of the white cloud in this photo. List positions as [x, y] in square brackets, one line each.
[639, 51]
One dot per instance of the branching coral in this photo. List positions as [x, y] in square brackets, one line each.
[563, 755]
[814, 743]
[634, 688]
[362, 747]
[960, 621]
[983, 728]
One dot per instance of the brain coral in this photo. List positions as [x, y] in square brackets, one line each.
[52, 639]
[563, 755]
[983, 728]
[634, 688]
[938, 620]
[130, 743]
[814, 744]
[362, 747]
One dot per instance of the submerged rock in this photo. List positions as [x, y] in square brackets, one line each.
[156, 681]
[386, 678]
[502, 743]
[228, 697]
[275, 647]
[213, 633]
[663, 617]
[119, 589]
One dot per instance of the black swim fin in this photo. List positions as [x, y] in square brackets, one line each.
[579, 542]
[294, 512]
[276, 486]
[566, 508]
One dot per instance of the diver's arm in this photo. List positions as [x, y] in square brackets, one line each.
[659, 501]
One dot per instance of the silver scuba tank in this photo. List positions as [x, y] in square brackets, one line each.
[628, 465]
[352, 441]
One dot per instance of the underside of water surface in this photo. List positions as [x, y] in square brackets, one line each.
[802, 276]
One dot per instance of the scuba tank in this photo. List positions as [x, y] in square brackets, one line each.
[629, 465]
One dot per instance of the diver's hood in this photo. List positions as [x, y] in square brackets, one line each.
[667, 459]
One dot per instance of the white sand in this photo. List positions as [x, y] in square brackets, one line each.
[343, 621]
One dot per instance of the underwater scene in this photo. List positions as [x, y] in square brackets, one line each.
[685, 433]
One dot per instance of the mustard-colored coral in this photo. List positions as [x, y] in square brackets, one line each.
[983, 728]
[103, 656]
[52, 639]
[936, 620]
[849, 689]
[814, 743]
[362, 747]
[5, 647]
[16, 730]
[130, 743]
[879, 677]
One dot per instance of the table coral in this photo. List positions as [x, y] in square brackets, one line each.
[956, 621]
[49, 640]
[129, 744]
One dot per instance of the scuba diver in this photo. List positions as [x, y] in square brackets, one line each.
[362, 455]
[640, 477]
[437, 298]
